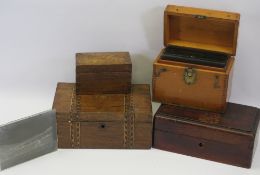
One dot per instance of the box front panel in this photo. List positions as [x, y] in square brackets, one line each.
[104, 68]
[204, 131]
[206, 149]
[102, 135]
[112, 86]
[196, 88]
[107, 120]
[103, 76]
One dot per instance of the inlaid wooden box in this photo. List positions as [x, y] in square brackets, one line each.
[195, 67]
[103, 73]
[103, 120]
[229, 138]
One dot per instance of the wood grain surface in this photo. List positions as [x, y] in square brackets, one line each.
[206, 30]
[227, 138]
[103, 72]
[104, 120]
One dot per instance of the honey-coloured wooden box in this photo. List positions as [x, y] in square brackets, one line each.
[230, 137]
[103, 73]
[103, 120]
[195, 67]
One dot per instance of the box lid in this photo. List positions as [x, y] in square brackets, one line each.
[237, 118]
[203, 29]
[103, 62]
[102, 107]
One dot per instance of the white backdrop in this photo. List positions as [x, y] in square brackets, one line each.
[38, 42]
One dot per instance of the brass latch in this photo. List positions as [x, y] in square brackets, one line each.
[200, 16]
[189, 76]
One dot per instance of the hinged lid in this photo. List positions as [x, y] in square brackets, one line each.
[103, 62]
[102, 107]
[237, 118]
[202, 29]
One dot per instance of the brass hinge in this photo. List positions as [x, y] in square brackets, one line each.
[216, 82]
[161, 70]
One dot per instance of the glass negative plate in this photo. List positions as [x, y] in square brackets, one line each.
[27, 138]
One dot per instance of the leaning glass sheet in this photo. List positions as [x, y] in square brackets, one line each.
[27, 138]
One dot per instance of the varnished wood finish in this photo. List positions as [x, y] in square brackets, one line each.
[101, 119]
[228, 138]
[209, 92]
[103, 72]
[202, 29]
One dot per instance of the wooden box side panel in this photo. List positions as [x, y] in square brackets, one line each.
[229, 82]
[63, 100]
[142, 105]
[63, 96]
[142, 135]
[256, 131]
[64, 134]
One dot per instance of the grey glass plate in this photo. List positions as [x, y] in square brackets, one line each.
[27, 138]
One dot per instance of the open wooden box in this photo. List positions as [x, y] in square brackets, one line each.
[203, 32]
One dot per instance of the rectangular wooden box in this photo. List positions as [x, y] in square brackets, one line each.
[104, 120]
[229, 138]
[103, 73]
[196, 85]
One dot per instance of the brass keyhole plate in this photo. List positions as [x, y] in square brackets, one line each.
[189, 76]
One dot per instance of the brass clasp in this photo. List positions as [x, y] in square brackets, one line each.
[189, 76]
[200, 16]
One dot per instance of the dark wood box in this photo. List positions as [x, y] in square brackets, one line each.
[202, 36]
[228, 138]
[103, 120]
[103, 73]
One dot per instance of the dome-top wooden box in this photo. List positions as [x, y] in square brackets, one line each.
[195, 67]
[103, 73]
[108, 121]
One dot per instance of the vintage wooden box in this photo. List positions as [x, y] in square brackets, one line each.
[103, 72]
[195, 67]
[103, 120]
[229, 138]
